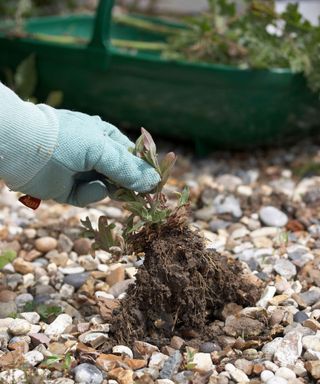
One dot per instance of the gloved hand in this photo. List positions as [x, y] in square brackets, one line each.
[63, 155]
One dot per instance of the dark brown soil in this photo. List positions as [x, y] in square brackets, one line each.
[179, 289]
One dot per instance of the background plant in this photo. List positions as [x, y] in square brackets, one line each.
[24, 81]
[146, 209]
[258, 37]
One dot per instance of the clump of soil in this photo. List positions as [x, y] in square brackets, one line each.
[180, 288]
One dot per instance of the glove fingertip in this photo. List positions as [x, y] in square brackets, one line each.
[148, 180]
[88, 193]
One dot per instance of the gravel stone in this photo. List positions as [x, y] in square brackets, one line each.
[300, 317]
[171, 366]
[285, 268]
[87, 374]
[123, 350]
[65, 244]
[23, 299]
[285, 373]
[58, 326]
[82, 246]
[31, 317]
[277, 380]
[312, 296]
[273, 217]
[34, 357]
[76, 279]
[13, 376]
[266, 375]
[228, 204]
[19, 327]
[203, 361]
[209, 347]
[7, 309]
[289, 350]
[45, 244]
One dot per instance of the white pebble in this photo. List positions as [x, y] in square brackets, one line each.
[266, 375]
[286, 373]
[31, 317]
[34, 357]
[13, 376]
[123, 350]
[58, 326]
[277, 380]
[19, 327]
[203, 361]
[157, 360]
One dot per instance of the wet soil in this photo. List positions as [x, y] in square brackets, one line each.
[180, 288]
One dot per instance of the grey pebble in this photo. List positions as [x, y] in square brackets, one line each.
[87, 374]
[300, 317]
[76, 279]
[311, 296]
[7, 309]
[209, 347]
[273, 217]
[171, 366]
[285, 268]
[23, 299]
[65, 244]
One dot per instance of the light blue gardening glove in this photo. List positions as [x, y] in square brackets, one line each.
[62, 155]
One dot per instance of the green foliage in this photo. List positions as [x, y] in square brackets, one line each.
[7, 257]
[59, 362]
[46, 312]
[257, 38]
[24, 81]
[147, 209]
[104, 236]
[25, 78]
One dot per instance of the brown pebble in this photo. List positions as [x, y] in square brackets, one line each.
[82, 246]
[21, 346]
[258, 368]
[177, 342]
[312, 324]
[313, 367]
[46, 244]
[123, 376]
[22, 266]
[39, 338]
[169, 351]
[115, 276]
[32, 255]
[6, 296]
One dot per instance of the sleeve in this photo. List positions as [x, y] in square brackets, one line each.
[28, 136]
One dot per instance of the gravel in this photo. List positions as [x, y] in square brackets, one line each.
[250, 207]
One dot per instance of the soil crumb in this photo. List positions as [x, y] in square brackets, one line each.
[180, 288]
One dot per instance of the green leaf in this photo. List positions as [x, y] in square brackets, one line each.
[55, 98]
[139, 146]
[25, 78]
[7, 257]
[148, 142]
[50, 360]
[105, 237]
[68, 361]
[166, 167]
[184, 197]
[48, 311]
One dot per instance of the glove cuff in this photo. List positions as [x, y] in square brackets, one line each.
[28, 137]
